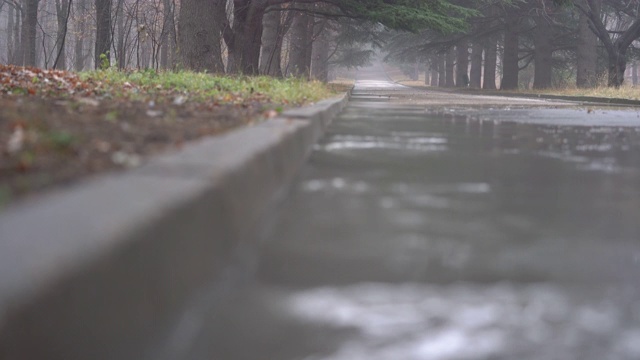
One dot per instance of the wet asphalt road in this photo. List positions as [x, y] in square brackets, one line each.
[472, 229]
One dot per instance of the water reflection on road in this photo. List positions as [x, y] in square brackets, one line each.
[466, 234]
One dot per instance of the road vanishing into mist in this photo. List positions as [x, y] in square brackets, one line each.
[434, 225]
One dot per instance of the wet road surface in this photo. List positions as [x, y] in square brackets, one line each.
[475, 229]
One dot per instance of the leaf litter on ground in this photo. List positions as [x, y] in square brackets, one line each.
[58, 126]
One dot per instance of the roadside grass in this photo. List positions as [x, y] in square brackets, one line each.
[341, 85]
[624, 92]
[59, 126]
[136, 85]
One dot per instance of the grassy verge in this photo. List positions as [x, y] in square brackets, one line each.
[624, 92]
[58, 126]
[207, 87]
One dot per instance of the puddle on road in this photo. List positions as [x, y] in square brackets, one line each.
[377, 84]
[452, 237]
[396, 142]
[466, 321]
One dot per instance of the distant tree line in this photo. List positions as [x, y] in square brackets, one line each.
[273, 37]
[532, 43]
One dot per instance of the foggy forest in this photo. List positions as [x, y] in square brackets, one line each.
[486, 44]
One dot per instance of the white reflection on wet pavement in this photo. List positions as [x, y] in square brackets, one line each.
[467, 321]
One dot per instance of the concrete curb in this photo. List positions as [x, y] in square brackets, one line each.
[94, 272]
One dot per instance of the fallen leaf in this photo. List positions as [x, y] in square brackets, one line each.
[270, 114]
[154, 113]
[124, 159]
[179, 100]
[88, 101]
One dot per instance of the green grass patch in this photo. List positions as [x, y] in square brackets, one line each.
[207, 87]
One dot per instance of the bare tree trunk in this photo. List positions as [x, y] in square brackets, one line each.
[81, 29]
[102, 51]
[586, 53]
[617, 67]
[244, 48]
[320, 55]
[427, 73]
[272, 37]
[143, 61]
[434, 70]
[16, 57]
[462, 63]
[475, 77]
[301, 41]
[121, 56]
[62, 17]
[510, 66]
[29, 24]
[199, 36]
[616, 49]
[490, 64]
[450, 63]
[543, 53]
[442, 71]
[10, 39]
[44, 41]
[168, 35]
[415, 71]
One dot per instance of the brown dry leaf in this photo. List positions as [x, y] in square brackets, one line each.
[270, 114]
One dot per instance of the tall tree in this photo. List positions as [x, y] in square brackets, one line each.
[450, 62]
[475, 74]
[17, 54]
[442, 71]
[510, 67]
[434, 70]
[199, 35]
[10, 38]
[300, 43]
[320, 52]
[272, 36]
[462, 63]
[586, 53]
[490, 63]
[244, 37]
[276, 23]
[121, 56]
[543, 52]
[102, 53]
[80, 33]
[168, 36]
[63, 13]
[28, 36]
[616, 43]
